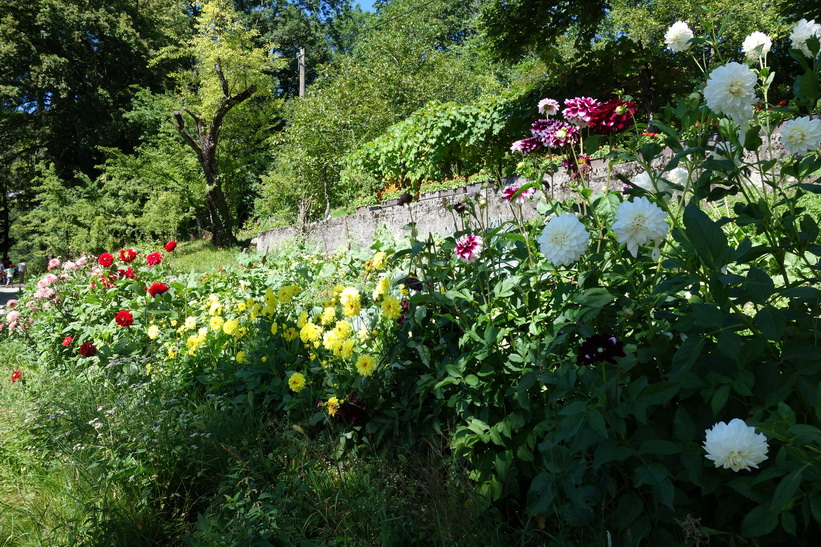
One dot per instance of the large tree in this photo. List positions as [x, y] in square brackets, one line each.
[226, 72]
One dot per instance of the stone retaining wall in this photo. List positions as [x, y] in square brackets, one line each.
[431, 214]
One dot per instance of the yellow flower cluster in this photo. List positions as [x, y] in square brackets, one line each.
[310, 332]
[391, 308]
[231, 327]
[349, 299]
[296, 382]
[287, 293]
[216, 323]
[365, 365]
[196, 341]
[332, 405]
[338, 341]
[382, 288]
[328, 315]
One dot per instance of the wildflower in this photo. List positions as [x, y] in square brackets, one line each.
[365, 365]
[105, 260]
[157, 288]
[124, 318]
[801, 135]
[735, 445]
[678, 37]
[731, 90]
[755, 46]
[382, 288]
[153, 332]
[87, 350]
[510, 190]
[600, 347]
[302, 319]
[153, 259]
[391, 307]
[638, 222]
[577, 111]
[216, 323]
[346, 348]
[564, 240]
[170, 246]
[290, 334]
[190, 323]
[801, 32]
[240, 358]
[548, 107]
[16, 375]
[274, 328]
[296, 382]
[128, 272]
[67, 341]
[127, 255]
[349, 299]
[230, 327]
[468, 248]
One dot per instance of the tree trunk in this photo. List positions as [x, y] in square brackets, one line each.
[205, 145]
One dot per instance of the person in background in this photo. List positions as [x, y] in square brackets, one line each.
[10, 271]
[2, 274]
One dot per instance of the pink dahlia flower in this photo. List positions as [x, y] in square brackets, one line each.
[577, 111]
[510, 190]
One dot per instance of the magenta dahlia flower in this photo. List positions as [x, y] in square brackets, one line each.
[577, 111]
[469, 247]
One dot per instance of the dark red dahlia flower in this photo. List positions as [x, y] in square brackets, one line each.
[600, 347]
[170, 246]
[153, 259]
[87, 350]
[105, 260]
[613, 116]
[16, 375]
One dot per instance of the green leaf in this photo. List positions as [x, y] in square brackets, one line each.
[659, 393]
[786, 489]
[760, 521]
[659, 447]
[597, 297]
[771, 322]
[707, 238]
[720, 398]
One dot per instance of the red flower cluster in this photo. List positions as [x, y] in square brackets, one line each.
[127, 255]
[170, 246]
[67, 341]
[153, 259]
[157, 288]
[128, 272]
[105, 260]
[87, 350]
[612, 116]
[16, 375]
[124, 318]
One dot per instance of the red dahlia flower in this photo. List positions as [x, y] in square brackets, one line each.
[124, 318]
[612, 116]
[127, 255]
[87, 350]
[67, 341]
[170, 246]
[105, 260]
[128, 272]
[16, 375]
[153, 259]
[157, 288]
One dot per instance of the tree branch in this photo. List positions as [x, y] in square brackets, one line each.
[180, 127]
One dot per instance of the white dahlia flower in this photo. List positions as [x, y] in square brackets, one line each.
[677, 176]
[801, 135]
[678, 37]
[801, 32]
[646, 182]
[731, 90]
[564, 240]
[638, 222]
[756, 45]
[735, 445]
